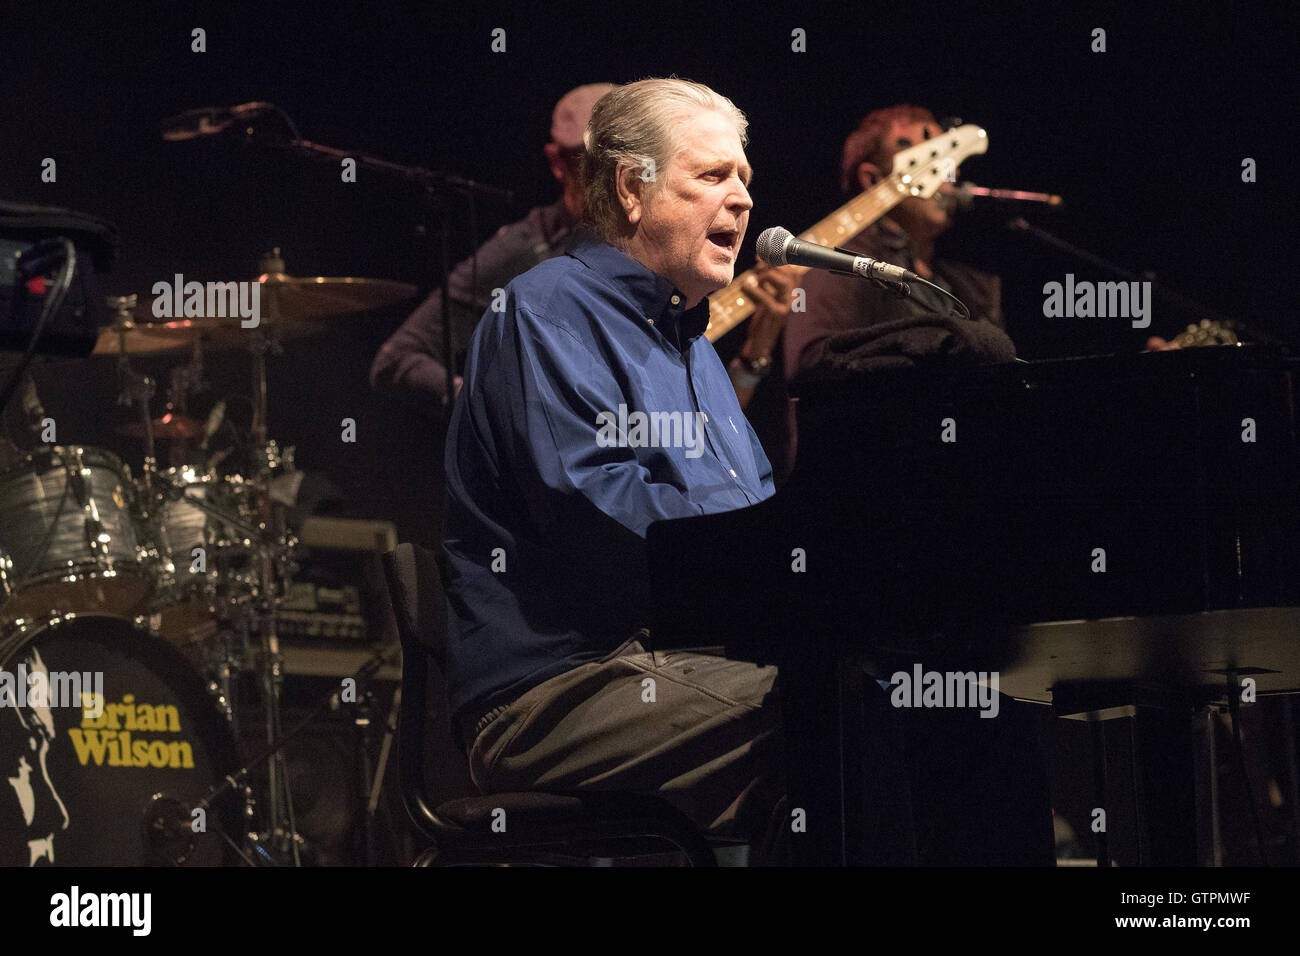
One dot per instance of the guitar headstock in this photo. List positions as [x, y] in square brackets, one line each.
[1207, 333]
[921, 169]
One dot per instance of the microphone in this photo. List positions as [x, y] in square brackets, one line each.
[964, 195]
[778, 247]
[167, 830]
[210, 120]
[215, 418]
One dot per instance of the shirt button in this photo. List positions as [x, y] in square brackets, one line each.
[706, 417]
[676, 300]
[733, 472]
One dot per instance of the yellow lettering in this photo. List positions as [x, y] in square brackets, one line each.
[182, 755]
[119, 749]
[122, 751]
[144, 718]
[140, 754]
[167, 717]
[158, 754]
[88, 745]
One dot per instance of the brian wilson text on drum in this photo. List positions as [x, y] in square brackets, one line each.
[106, 731]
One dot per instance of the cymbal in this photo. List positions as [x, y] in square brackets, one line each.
[169, 426]
[139, 341]
[300, 302]
[323, 297]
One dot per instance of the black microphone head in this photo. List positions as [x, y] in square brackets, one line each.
[195, 123]
[211, 120]
[772, 244]
[167, 830]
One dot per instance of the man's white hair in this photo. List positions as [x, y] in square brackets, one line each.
[634, 126]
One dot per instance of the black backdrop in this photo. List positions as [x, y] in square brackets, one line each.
[1145, 141]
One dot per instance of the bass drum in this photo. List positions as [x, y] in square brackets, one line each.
[108, 738]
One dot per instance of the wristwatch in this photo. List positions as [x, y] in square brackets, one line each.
[746, 372]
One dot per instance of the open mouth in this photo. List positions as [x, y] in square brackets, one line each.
[725, 239]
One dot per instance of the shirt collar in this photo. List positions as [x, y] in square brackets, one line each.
[893, 236]
[659, 302]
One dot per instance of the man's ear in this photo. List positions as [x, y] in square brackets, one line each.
[631, 195]
[868, 175]
[553, 158]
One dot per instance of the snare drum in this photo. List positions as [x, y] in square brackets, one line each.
[71, 527]
[106, 768]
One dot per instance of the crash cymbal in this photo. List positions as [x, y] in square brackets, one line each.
[169, 426]
[323, 297]
[138, 341]
[301, 304]
[126, 337]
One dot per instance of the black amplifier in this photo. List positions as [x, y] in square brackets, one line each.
[73, 329]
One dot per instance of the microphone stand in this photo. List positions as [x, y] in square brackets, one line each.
[1182, 302]
[165, 811]
[435, 185]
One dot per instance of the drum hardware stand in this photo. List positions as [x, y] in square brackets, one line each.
[222, 661]
[273, 751]
[283, 835]
[376, 787]
[361, 721]
[137, 390]
[72, 467]
[184, 380]
[372, 779]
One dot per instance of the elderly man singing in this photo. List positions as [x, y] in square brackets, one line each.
[547, 515]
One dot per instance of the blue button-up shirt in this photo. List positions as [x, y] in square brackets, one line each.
[592, 406]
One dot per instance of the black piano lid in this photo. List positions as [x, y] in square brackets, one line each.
[932, 501]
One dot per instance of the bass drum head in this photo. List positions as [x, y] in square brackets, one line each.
[126, 731]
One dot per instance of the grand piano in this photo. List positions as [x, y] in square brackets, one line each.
[1116, 536]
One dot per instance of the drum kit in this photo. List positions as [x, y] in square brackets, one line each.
[158, 593]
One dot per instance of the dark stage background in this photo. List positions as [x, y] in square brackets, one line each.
[1145, 141]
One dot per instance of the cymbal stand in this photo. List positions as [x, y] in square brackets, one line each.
[185, 380]
[283, 838]
[137, 389]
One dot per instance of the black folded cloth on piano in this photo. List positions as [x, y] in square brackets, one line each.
[913, 341]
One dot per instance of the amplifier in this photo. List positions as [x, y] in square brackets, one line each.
[73, 330]
[335, 610]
